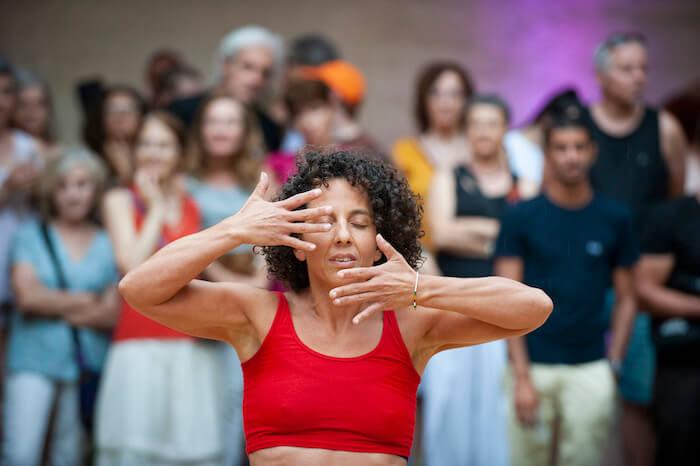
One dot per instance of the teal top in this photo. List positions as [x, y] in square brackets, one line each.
[215, 203]
[45, 345]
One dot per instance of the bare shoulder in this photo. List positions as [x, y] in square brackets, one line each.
[117, 198]
[669, 125]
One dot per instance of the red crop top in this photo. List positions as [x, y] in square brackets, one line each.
[132, 324]
[294, 396]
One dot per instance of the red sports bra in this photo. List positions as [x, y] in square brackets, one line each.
[294, 396]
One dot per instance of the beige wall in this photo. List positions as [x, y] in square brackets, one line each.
[521, 49]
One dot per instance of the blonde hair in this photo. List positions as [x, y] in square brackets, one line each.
[246, 162]
[56, 169]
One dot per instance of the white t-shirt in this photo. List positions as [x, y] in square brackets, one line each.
[525, 158]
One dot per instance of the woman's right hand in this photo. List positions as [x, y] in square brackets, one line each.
[150, 189]
[265, 223]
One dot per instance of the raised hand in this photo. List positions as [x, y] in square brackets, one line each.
[265, 223]
[386, 286]
[150, 188]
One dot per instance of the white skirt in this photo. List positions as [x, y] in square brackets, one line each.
[160, 404]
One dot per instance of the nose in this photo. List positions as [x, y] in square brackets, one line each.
[342, 233]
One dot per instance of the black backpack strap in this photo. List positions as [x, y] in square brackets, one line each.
[63, 284]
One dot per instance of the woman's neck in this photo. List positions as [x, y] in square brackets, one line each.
[71, 224]
[446, 134]
[218, 170]
[336, 318]
[488, 164]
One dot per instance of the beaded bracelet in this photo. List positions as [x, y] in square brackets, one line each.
[415, 292]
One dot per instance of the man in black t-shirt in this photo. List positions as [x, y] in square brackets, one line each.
[574, 244]
[668, 283]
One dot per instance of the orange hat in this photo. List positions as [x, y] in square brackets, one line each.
[341, 77]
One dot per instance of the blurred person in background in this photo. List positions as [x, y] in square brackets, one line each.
[159, 64]
[575, 244]
[347, 86]
[668, 284]
[224, 161]
[525, 147]
[463, 398]
[42, 359]
[306, 50]
[685, 106]
[641, 162]
[313, 112]
[160, 397]
[111, 131]
[20, 165]
[442, 92]
[247, 62]
[181, 82]
[34, 112]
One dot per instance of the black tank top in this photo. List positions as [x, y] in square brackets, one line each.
[471, 202]
[631, 168]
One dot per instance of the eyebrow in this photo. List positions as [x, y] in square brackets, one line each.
[360, 212]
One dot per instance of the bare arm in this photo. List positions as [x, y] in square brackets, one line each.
[131, 248]
[651, 276]
[101, 316]
[526, 397]
[455, 311]
[164, 286]
[674, 148]
[34, 298]
[623, 314]
[467, 236]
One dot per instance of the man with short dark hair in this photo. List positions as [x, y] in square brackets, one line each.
[641, 162]
[574, 244]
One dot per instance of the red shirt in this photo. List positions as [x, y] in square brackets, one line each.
[132, 324]
[295, 396]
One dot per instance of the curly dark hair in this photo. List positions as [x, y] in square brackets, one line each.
[394, 207]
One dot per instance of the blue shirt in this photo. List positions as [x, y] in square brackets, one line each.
[217, 203]
[571, 255]
[45, 345]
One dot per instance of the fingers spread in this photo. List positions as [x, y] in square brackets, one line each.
[366, 312]
[359, 273]
[296, 243]
[300, 199]
[386, 248]
[262, 185]
[309, 214]
[302, 227]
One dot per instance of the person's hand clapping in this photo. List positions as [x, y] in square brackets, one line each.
[386, 286]
[265, 223]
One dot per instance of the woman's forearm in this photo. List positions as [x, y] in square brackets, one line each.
[495, 300]
[146, 239]
[467, 236]
[170, 269]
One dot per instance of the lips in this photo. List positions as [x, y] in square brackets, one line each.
[343, 260]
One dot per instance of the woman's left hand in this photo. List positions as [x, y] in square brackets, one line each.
[386, 286]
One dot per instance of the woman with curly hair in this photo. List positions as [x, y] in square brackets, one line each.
[331, 367]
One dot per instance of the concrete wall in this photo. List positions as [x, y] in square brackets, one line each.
[521, 49]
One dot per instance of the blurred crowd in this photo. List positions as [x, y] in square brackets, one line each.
[597, 203]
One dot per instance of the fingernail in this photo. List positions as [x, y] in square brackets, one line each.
[341, 274]
[333, 293]
[336, 301]
[327, 226]
[356, 320]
